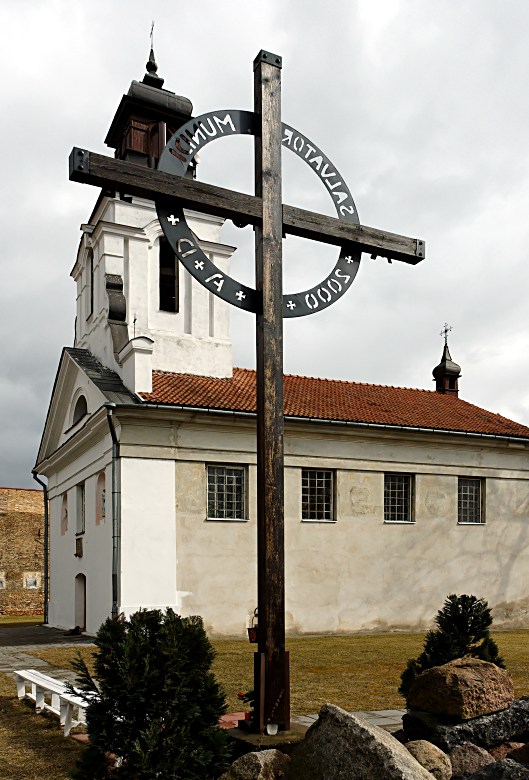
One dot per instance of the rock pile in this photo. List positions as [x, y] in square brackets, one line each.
[467, 709]
[463, 724]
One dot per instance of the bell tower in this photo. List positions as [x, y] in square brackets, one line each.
[146, 118]
[138, 309]
[447, 373]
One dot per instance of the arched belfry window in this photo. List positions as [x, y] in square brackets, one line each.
[80, 409]
[89, 284]
[168, 276]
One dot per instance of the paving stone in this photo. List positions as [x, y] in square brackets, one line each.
[388, 713]
[304, 720]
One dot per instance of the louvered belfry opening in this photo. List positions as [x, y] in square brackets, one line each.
[146, 118]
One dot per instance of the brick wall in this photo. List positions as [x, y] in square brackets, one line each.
[21, 551]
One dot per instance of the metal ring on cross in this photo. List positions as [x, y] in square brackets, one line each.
[175, 159]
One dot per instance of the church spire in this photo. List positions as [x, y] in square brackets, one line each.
[447, 373]
[151, 77]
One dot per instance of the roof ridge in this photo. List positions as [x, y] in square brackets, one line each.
[294, 376]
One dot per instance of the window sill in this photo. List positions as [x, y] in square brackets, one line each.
[480, 522]
[311, 520]
[400, 522]
[75, 424]
[226, 519]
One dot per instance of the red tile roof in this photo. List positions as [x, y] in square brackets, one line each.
[331, 399]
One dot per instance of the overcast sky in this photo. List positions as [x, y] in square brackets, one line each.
[422, 106]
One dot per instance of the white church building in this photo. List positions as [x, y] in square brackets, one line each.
[394, 497]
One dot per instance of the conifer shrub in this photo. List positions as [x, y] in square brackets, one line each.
[153, 701]
[462, 629]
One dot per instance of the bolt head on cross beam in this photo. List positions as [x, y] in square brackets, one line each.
[268, 58]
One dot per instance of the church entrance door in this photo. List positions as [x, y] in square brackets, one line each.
[80, 601]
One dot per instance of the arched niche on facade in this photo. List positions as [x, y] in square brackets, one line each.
[64, 513]
[101, 498]
[80, 601]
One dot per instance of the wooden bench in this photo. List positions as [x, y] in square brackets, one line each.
[52, 696]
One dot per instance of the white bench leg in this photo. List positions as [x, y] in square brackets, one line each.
[68, 718]
[39, 699]
[21, 687]
[63, 711]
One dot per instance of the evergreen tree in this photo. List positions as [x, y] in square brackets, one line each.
[156, 705]
[463, 629]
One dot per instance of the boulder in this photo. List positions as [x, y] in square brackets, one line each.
[520, 754]
[486, 731]
[462, 689]
[501, 770]
[341, 746]
[265, 765]
[431, 758]
[468, 758]
[498, 752]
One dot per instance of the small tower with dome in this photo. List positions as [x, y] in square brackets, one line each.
[447, 373]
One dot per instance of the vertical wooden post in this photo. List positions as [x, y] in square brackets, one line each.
[271, 663]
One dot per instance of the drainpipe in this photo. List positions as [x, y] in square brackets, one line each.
[116, 509]
[46, 544]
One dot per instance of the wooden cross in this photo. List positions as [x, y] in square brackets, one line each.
[272, 220]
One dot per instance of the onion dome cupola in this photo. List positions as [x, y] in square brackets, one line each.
[146, 118]
[447, 373]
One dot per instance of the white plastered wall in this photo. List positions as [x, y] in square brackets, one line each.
[125, 243]
[148, 535]
[96, 563]
[358, 573]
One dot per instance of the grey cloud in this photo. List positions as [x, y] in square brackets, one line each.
[420, 105]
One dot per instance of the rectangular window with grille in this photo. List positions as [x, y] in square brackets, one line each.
[317, 494]
[469, 500]
[226, 492]
[398, 498]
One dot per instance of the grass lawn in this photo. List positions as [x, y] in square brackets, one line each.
[31, 620]
[357, 672]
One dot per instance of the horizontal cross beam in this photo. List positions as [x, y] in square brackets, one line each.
[132, 179]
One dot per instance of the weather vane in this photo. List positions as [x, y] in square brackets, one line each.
[445, 331]
[152, 34]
